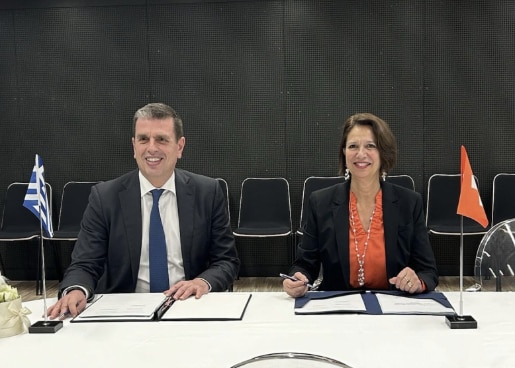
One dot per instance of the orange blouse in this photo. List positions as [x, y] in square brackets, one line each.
[375, 257]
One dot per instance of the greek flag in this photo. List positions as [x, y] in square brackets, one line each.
[36, 199]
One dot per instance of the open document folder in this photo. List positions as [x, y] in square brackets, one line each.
[373, 302]
[157, 307]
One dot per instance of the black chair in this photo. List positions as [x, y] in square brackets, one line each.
[18, 222]
[312, 184]
[225, 190]
[74, 201]
[443, 194]
[503, 198]
[264, 208]
[265, 211]
[405, 181]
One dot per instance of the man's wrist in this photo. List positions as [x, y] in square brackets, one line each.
[76, 287]
[207, 282]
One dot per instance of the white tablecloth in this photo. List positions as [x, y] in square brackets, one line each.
[270, 326]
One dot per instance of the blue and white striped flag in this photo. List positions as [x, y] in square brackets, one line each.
[36, 199]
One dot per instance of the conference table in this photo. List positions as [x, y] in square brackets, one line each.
[270, 326]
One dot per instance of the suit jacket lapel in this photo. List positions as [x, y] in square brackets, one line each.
[130, 203]
[390, 223]
[185, 204]
[341, 226]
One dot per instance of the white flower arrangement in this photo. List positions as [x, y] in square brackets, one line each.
[8, 293]
[13, 316]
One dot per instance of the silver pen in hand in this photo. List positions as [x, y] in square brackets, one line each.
[64, 315]
[293, 278]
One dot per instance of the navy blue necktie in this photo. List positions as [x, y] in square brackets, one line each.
[158, 263]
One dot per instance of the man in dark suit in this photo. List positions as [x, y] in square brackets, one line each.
[113, 251]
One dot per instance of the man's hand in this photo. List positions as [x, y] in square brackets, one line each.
[69, 305]
[184, 289]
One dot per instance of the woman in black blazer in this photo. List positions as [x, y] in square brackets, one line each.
[365, 233]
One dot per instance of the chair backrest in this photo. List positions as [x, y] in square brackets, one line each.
[225, 190]
[443, 194]
[405, 181]
[290, 359]
[312, 184]
[495, 257]
[17, 218]
[503, 198]
[74, 201]
[264, 207]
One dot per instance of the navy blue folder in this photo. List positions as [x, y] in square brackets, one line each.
[371, 302]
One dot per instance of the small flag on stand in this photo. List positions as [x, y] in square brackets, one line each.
[470, 204]
[36, 199]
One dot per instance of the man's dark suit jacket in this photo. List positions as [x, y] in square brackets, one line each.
[106, 256]
[326, 237]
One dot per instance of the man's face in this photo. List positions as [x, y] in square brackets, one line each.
[156, 149]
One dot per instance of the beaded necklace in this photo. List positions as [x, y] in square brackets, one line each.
[361, 258]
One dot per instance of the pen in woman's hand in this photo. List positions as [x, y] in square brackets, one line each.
[293, 278]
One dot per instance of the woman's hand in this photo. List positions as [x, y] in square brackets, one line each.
[408, 281]
[296, 289]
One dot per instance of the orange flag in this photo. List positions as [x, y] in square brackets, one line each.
[470, 204]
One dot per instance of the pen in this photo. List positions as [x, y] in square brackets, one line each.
[293, 278]
[169, 301]
[64, 315]
[165, 306]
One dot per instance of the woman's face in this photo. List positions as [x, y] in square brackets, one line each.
[361, 153]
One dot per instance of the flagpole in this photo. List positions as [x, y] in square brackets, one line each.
[43, 275]
[461, 266]
[41, 245]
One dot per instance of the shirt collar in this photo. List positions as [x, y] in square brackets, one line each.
[146, 186]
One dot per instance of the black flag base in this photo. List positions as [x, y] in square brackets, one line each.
[46, 327]
[461, 322]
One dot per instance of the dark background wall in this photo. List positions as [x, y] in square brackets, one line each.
[263, 88]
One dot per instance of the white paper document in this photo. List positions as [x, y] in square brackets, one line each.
[391, 304]
[212, 306]
[345, 303]
[158, 307]
[130, 306]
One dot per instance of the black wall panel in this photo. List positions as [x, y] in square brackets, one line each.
[221, 66]
[263, 88]
[469, 88]
[345, 57]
